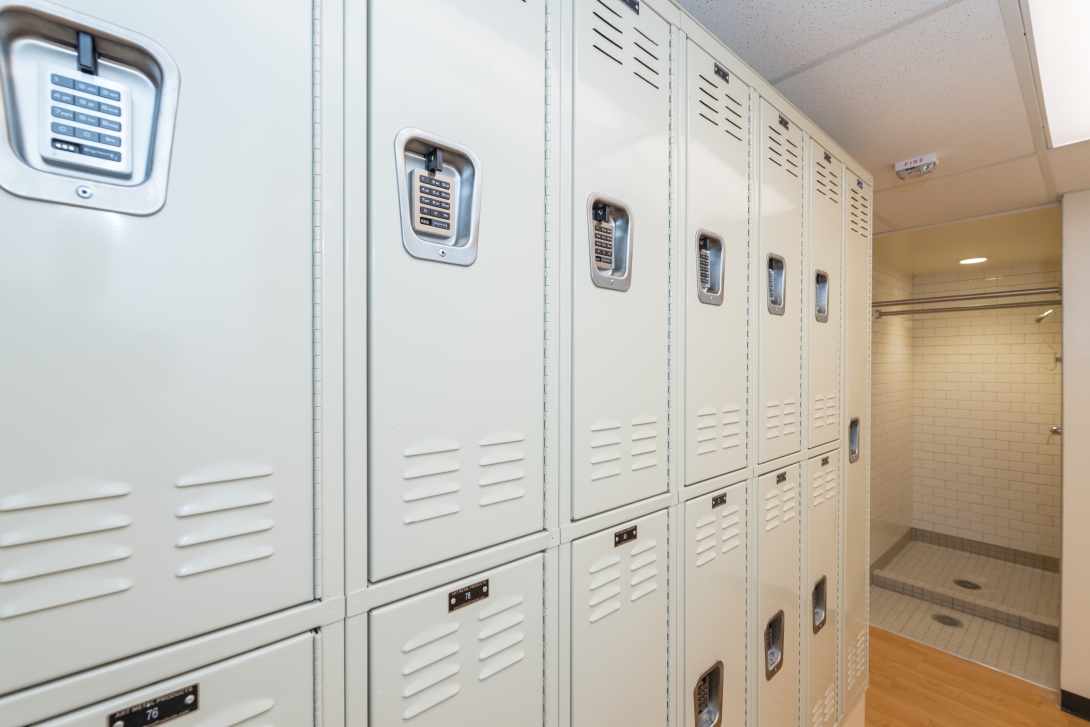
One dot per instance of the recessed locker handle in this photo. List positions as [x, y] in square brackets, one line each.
[610, 239]
[708, 697]
[853, 440]
[773, 638]
[709, 267]
[817, 599]
[776, 268]
[821, 296]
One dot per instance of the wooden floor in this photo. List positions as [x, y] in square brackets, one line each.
[912, 685]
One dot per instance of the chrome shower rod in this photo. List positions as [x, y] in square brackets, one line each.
[972, 296]
[1029, 304]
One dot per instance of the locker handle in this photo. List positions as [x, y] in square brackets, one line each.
[818, 600]
[776, 267]
[709, 267]
[821, 296]
[708, 697]
[853, 440]
[773, 638]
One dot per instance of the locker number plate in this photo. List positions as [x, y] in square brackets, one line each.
[624, 536]
[158, 710]
[824, 461]
[719, 500]
[465, 596]
[781, 477]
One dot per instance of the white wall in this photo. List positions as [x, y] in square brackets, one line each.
[1075, 574]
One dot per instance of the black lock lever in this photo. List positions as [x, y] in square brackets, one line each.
[434, 160]
[86, 58]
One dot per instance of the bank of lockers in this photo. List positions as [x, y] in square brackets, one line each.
[619, 624]
[157, 479]
[456, 315]
[714, 609]
[823, 293]
[777, 506]
[470, 652]
[779, 307]
[619, 254]
[267, 686]
[854, 644]
[716, 299]
[821, 594]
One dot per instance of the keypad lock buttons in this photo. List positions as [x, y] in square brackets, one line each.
[85, 121]
[609, 228]
[434, 203]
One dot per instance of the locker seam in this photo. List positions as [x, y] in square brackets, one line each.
[318, 716]
[672, 242]
[316, 292]
[546, 283]
[750, 451]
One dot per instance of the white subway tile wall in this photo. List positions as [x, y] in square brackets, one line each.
[892, 392]
[986, 392]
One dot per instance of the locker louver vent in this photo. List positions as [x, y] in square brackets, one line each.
[616, 37]
[608, 576]
[500, 636]
[606, 446]
[780, 505]
[51, 538]
[826, 181]
[730, 433]
[218, 517]
[859, 212]
[728, 531]
[857, 660]
[824, 485]
[782, 152]
[648, 57]
[718, 104]
[609, 37]
[824, 711]
[428, 671]
[825, 409]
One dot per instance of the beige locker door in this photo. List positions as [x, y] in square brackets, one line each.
[821, 616]
[619, 625]
[857, 317]
[273, 685]
[823, 295]
[779, 308]
[716, 299]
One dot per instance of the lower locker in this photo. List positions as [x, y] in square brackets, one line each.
[468, 653]
[619, 623]
[821, 617]
[714, 672]
[273, 685]
[778, 565]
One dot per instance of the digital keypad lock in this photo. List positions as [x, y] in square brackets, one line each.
[709, 267]
[610, 243]
[773, 643]
[603, 246]
[85, 121]
[708, 697]
[434, 203]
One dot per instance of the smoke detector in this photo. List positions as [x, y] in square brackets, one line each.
[916, 166]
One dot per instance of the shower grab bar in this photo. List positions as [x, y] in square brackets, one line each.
[1030, 304]
[972, 296]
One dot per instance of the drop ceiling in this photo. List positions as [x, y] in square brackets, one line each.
[891, 79]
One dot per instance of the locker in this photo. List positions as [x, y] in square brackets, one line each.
[823, 295]
[162, 458]
[779, 308]
[619, 624]
[714, 677]
[270, 685]
[620, 254]
[821, 615]
[716, 302]
[778, 572]
[856, 561]
[455, 454]
[471, 652]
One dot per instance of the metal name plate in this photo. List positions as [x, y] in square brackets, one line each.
[633, 5]
[784, 123]
[465, 596]
[158, 710]
[781, 477]
[722, 73]
[824, 461]
[719, 500]
[624, 536]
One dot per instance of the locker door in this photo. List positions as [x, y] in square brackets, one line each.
[821, 616]
[777, 627]
[270, 685]
[621, 148]
[779, 310]
[619, 624]
[716, 301]
[823, 291]
[456, 327]
[714, 681]
[467, 653]
[156, 452]
[856, 518]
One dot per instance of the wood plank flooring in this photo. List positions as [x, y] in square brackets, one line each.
[912, 685]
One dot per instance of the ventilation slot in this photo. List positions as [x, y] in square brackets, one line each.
[429, 670]
[646, 53]
[791, 158]
[826, 182]
[607, 33]
[859, 217]
[500, 638]
[715, 104]
[775, 147]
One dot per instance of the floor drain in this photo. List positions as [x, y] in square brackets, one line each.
[969, 585]
[945, 620]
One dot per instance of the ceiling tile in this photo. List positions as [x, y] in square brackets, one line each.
[944, 84]
[934, 200]
[776, 36]
[1070, 167]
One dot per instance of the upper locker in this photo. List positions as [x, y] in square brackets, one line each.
[620, 255]
[823, 291]
[456, 280]
[157, 482]
[857, 312]
[779, 310]
[716, 299]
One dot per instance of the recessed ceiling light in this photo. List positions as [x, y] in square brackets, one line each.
[1059, 38]
[973, 260]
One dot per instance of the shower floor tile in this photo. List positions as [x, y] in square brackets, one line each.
[1010, 593]
[1019, 653]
